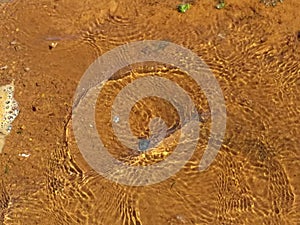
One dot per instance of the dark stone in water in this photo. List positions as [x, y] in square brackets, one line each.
[144, 144]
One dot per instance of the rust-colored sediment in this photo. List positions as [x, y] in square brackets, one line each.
[253, 51]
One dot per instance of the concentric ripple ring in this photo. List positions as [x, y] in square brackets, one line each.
[83, 114]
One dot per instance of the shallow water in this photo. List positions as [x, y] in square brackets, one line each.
[252, 50]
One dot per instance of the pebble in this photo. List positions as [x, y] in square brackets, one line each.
[24, 155]
[53, 45]
[116, 119]
[4, 67]
[144, 144]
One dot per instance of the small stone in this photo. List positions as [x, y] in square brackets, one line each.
[116, 119]
[52, 45]
[24, 155]
[4, 67]
[144, 144]
[26, 69]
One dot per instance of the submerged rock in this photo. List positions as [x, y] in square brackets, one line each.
[144, 144]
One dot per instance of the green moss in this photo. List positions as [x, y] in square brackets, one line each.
[221, 4]
[183, 7]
